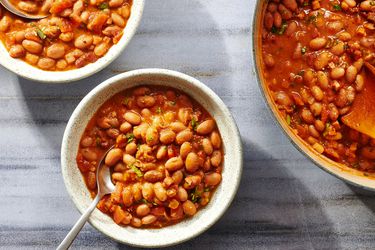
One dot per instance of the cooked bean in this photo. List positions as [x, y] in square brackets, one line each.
[160, 192]
[268, 60]
[61, 64]
[83, 41]
[32, 59]
[290, 4]
[368, 152]
[91, 180]
[5, 23]
[125, 127]
[46, 63]
[89, 154]
[113, 156]
[207, 146]
[313, 132]
[161, 153]
[184, 136]
[322, 79]
[143, 210]
[153, 176]
[148, 191]
[115, 3]
[277, 19]
[167, 136]
[17, 51]
[316, 108]
[128, 159]
[215, 139]
[359, 83]
[137, 191]
[291, 29]
[86, 141]
[131, 148]
[67, 36]
[189, 208]
[317, 93]
[307, 116]
[192, 162]
[136, 222]
[101, 49]
[212, 179]
[337, 73]
[32, 46]
[174, 164]
[127, 196]
[351, 74]
[177, 126]
[152, 136]
[216, 158]
[27, 6]
[206, 127]
[335, 26]
[113, 133]
[338, 49]
[132, 117]
[322, 60]
[344, 36]
[286, 14]
[319, 125]
[149, 219]
[268, 20]
[118, 20]
[56, 51]
[145, 101]
[182, 194]
[318, 43]
[185, 149]
[177, 177]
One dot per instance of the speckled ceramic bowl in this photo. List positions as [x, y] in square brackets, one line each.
[27, 71]
[205, 217]
[338, 170]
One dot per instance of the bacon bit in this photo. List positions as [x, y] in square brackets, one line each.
[297, 98]
[87, 58]
[97, 21]
[60, 5]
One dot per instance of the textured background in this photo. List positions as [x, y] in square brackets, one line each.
[284, 201]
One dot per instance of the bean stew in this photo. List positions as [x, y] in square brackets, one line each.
[76, 33]
[313, 54]
[167, 160]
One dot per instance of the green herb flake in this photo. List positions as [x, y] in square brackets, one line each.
[126, 101]
[207, 189]
[326, 129]
[150, 138]
[274, 30]
[159, 110]
[136, 171]
[194, 123]
[98, 141]
[195, 196]
[303, 50]
[103, 6]
[130, 137]
[288, 119]
[306, 4]
[336, 7]
[172, 103]
[282, 29]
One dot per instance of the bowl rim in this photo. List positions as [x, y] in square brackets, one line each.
[333, 167]
[33, 73]
[158, 73]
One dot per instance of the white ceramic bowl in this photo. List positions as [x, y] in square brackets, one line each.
[30, 72]
[182, 231]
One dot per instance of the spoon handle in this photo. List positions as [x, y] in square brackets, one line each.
[65, 244]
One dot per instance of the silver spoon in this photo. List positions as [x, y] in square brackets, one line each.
[105, 186]
[10, 7]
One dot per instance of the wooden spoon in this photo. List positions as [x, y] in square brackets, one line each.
[362, 114]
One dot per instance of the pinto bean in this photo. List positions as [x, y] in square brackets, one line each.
[161, 153]
[192, 162]
[128, 159]
[174, 163]
[17, 51]
[5, 23]
[148, 191]
[27, 6]
[56, 51]
[268, 20]
[160, 192]
[127, 196]
[216, 158]
[189, 208]
[207, 146]
[212, 179]
[118, 20]
[182, 194]
[149, 219]
[115, 3]
[337, 73]
[32, 46]
[177, 177]
[132, 117]
[351, 74]
[318, 43]
[215, 139]
[152, 136]
[184, 136]
[153, 176]
[113, 156]
[290, 4]
[268, 60]
[277, 19]
[167, 136]
[137, 191]
[206, 127]
[322, 60]
[83, 41]
[145, 101]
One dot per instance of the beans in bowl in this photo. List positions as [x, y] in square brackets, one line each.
[313, 54]
[167, 160]
[76, 33]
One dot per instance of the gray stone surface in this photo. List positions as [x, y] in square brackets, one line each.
[284, 201]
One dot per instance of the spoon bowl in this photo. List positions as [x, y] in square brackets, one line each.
[10, 7]
[105, 186]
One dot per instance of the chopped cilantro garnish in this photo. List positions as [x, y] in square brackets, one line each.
[195, 196]
[303, 50]
[41, 34]
[194, 123]
[136, 171]
[126, 101]
[282, 29]
[336, 7]
[207, 189]
[130, 137]
[159, 111]
[103, 6]
[150, 138]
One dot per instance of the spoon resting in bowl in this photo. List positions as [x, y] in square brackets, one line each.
[16, 11]
[362, 115]
[105, 186]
